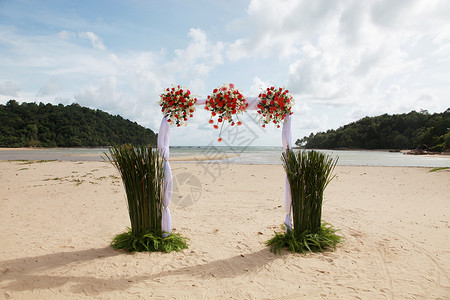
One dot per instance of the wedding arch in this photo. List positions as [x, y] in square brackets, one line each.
[178, 105]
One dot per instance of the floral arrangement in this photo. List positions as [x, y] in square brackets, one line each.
[225, 102]
[275, 105]
[177, 105]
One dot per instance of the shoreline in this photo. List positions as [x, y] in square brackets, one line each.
[225, 156]
[403, 151]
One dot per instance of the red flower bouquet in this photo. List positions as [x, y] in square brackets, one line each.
[275, 105]
[177, 105]
[225, 102]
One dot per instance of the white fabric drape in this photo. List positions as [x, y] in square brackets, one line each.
[286, 140]
[252, 103]
[163, 148]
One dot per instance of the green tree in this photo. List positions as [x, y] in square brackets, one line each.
[402, 131]
[47, 125]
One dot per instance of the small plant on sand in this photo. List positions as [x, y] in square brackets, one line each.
[308, 173]
[439, 169]
[142, 172]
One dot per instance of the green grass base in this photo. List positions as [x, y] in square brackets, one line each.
[150, 242]
[325, 239]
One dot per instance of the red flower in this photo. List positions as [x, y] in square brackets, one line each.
[219, 140]
[239, 123]
[224, 102]
[177, 105]
[216, 127]
[211, 121]
[274, 105]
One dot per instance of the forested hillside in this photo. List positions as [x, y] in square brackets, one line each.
[47, 125]
[403, 131]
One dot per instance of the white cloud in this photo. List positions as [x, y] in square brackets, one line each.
[65, 35]
[50, 88]
[198, 58]
[107, 95]
[312, 123]
[95, 40]
[9, 89]
[279, 27]
[258, 86]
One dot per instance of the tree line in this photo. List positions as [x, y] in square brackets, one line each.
[47, 125]
[402, 131]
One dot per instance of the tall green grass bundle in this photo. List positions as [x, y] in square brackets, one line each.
[142, 172]
[308, 173]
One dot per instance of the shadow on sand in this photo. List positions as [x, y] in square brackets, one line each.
[33, 272]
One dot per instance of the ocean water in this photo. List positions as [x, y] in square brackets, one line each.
[238, 155]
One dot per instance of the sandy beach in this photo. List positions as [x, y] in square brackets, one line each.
[58, 219]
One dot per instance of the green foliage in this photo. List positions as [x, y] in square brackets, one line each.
[325, 238]
[402, 131]
[149, 241]
[439, 169]
[47, 125]
[142, 172]
[27, 162]
[308, 173]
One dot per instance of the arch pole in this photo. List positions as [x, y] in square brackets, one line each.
[286, 140]
[163, 148]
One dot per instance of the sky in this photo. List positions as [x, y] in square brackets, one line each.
[342, 60]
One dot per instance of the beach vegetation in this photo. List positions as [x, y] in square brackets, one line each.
[29, 162]
[325, 238]
[142, 173]
[47, 125]
[402, 131]
[439, 169]
[308, 173]
[54, 178]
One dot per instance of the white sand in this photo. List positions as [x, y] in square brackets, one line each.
[58, 219]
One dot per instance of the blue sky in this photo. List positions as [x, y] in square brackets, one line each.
[342, 60]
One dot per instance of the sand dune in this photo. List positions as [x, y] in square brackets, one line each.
[59, 217]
